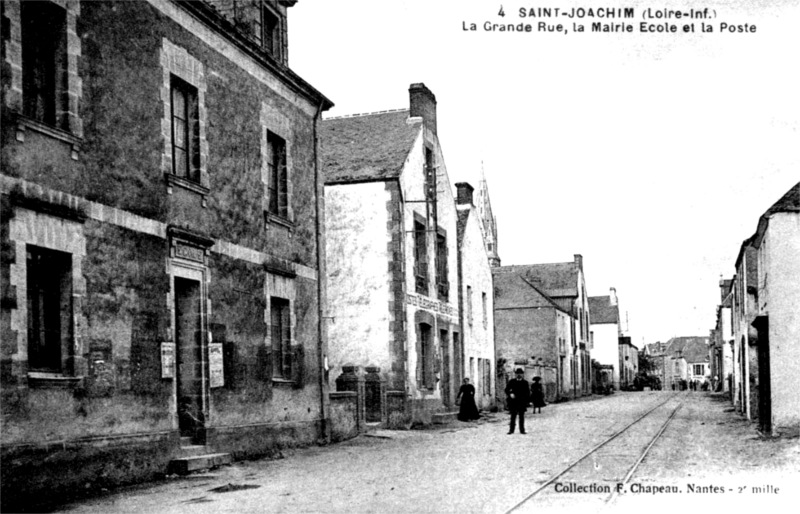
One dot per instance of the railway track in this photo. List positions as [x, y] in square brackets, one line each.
[598, 476]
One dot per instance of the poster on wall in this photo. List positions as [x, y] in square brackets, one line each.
[167, 360]
[215, 366]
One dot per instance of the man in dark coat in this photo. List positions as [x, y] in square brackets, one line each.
[518, 392]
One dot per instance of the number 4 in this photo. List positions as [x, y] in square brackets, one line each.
[502, 12]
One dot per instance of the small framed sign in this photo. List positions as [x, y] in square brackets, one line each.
[167, 360]
[215, 365]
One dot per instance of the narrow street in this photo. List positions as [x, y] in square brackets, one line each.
[706, 457]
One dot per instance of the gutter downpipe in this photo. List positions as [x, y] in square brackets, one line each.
[321, 276]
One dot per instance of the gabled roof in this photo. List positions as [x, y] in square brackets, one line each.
[601, 311]
[557, 280]
[693, 349]
[514, 291]
[367, 147]
[790, 202]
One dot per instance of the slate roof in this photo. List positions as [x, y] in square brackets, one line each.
[514, 291]
[366, 147]
[693, 349]
[557, 280]
[790, 202]
[601, 311]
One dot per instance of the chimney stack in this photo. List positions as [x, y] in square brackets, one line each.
[579, 261]
[613, 296]
[423, 105]
[464, 193]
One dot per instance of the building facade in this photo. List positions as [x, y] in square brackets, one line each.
[392, 256]
[777, 324]
[606, 331]
[722, 340]
[477, 250]
[542, 314]
[161, 240]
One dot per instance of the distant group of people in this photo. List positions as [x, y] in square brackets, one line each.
[520, 394]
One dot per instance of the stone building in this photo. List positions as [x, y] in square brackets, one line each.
[391, 225]
[542, 325]
[722, 339]
[606, 331]
[161, 241]
[744, 366]
[628, 355]
[686, 359]
[777, 323]
[477, 250]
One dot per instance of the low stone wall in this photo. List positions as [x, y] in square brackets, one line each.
[397, 415]
[37, 477]
[263, 440]
[344, 415]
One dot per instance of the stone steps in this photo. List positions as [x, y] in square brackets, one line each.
[442, 418]
[189, 464]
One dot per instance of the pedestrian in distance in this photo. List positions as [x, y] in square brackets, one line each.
[537, 395]
[467, 411]
[518, 392]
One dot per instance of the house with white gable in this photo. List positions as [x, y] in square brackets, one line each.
[393, 315]
[477, 250]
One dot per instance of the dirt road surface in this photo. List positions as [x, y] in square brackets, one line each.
[707, 458]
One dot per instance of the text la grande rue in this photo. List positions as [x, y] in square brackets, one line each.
[644, 27]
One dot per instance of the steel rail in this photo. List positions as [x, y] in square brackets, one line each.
[587, 454]
[633, 469]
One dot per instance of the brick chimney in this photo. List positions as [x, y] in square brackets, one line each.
[613, 296]
[579, 261]
[464, 193]
[423, 104]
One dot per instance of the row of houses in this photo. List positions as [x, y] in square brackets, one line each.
[195, 264]
[681, 363]
[754, 344]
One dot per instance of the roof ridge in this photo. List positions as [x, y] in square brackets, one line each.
[360, 114]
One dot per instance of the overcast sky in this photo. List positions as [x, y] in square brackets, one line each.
[651, 155]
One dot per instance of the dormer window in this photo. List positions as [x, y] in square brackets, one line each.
[271, 32]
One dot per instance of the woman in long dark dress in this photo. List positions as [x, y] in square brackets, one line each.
[537, 394]
[468, 410]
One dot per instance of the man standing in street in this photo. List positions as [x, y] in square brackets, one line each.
[518, 391]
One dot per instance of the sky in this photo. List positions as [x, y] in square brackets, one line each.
[650, 154]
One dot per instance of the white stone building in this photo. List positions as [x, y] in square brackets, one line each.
[477, 248]
[391, 254]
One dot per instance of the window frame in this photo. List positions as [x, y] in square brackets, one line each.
[442, 268]
[421, 257]
[277, 176]
[426, 346]
[191, 131]
[281, 339]
[49, 291]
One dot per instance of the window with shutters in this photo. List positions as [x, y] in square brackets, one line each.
[280, 331]
[185, 130]
[278, 181]
[421, 257]
[426, 356]
[442, 284]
